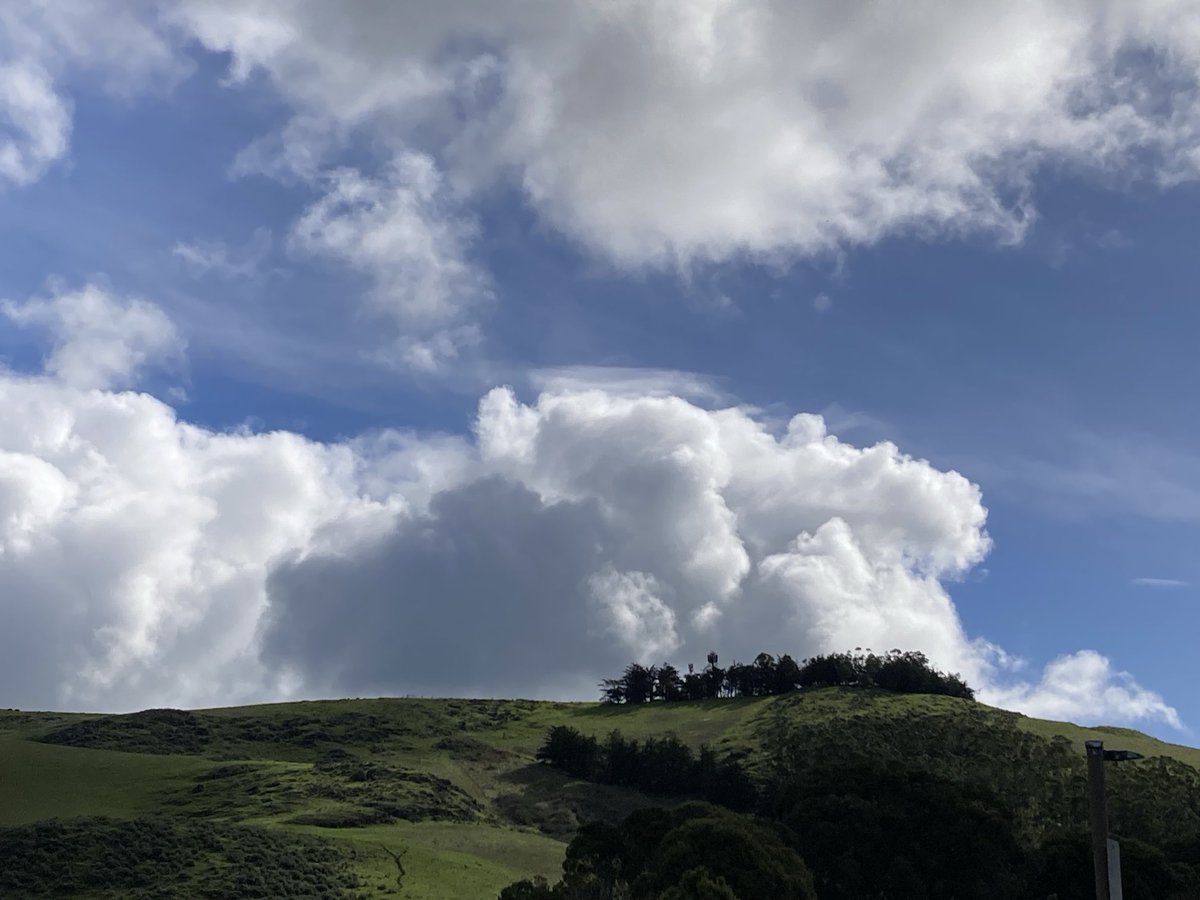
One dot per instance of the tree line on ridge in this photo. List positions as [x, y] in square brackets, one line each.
[907, 672]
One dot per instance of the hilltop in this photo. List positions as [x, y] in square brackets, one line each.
[344, 796]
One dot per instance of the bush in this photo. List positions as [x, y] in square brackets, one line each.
[161, 857]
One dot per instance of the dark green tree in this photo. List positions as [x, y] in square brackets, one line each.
[747, 853]
[741, 680]
[699, 884]
[871, 831]
[536, 888]
[639, 682]
[714, 677]
[612, 690]
[668, 685]
[787, 675]
[575, 753]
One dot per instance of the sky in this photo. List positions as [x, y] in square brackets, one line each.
[394, 348]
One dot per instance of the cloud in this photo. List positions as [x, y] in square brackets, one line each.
[434, 353]
[220, 259]
[730, 129]
[614, 526]
[1084, 686]
[99, 339]
[134, 548]
[404, 232]
[629, 381]
[474, 591]
[172, 564]
[629, 609]
[822, 303]
[38, 122]
[117, 45]
[1159, 582]
[658, 528]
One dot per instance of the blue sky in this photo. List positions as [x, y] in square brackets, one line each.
[310, 252]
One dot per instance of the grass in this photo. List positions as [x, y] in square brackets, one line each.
[38, 781]
[450, 785]
[447, 861]
[1114, 738]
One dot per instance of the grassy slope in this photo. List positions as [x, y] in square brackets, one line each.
[509, 817]
[1114, 738]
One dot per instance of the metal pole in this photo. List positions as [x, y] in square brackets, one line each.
[1098, 816]
[1115, 891]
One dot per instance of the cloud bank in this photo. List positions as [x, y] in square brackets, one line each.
[657, 133]
[148, 561]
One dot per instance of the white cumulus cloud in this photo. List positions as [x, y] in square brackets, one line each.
[403, 231]
[100, 339]
[118, 45]
[598, 527]
[659, 133]
[134, 548]
[38, 122]
[629, 609]
[1084, 685]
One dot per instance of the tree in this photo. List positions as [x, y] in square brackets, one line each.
[725, 783]
[748, 854]
[668, 766]
[714, 677]
[612, 690]
[765, 671]
[622, 760]
[741, 680]
[693, 852]
[536, 888]
[592, 867]
[871, 827]
[638, 682]
[787, 675]
[575, 753]
[908, 672]
[1062, 867]
[699, 884]
[668, 685]
[829, 671]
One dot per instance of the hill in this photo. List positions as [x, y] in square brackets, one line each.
[423, 798]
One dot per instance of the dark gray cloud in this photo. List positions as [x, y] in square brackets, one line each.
[489, 588]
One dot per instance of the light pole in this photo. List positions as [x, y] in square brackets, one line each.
[1106, 853]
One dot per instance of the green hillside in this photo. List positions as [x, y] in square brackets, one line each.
[340, 796]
